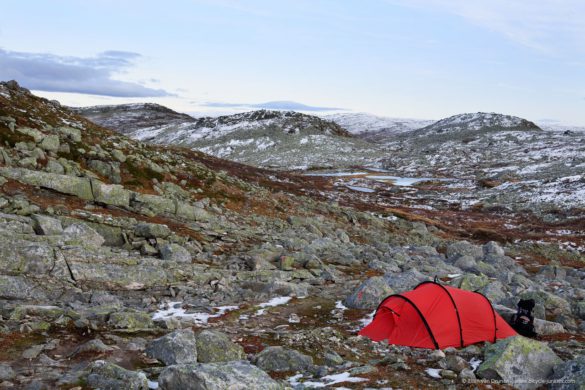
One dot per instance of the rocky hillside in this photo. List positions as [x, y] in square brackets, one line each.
[376, 128]
[134, 266]
[477, 122]
[276, 139]
[128, 118]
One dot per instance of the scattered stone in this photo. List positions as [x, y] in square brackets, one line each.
[216, 376]
[47, 226]
[214, 346]
[178, 347]
[6, 372]
[279, 359]
[518, 361]
[369, 294]
[152, 230]
[569, 375]
[105, 375]
[175, 252]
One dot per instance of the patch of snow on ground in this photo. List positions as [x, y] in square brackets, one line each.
[474, 363]
[368, 319]
[327, 380]
[175, 310]
[361, 189]
[277, 301]
[152, 384]
[433, 372]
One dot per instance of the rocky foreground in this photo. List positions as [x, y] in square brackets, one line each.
[131, 266]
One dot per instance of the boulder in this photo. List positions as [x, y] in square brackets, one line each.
[236, 375]
[152, 230]
[110, 194]
[279, 359]
[463, 248]
[369, 294]
[84, 234]
[6, 372]
[214, 346]
[25, 257]
[131, 321]
[493, 248]
[569, 375]
[518, 361]
[175, 252]
[78, 186]
[50, 143]
[47, 226]
[70, 133]
[105, 375]
[178, 347]
[192, 213]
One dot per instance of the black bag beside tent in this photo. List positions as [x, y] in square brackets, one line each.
[523, 320]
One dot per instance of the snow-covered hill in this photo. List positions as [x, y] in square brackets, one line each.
[277, 139]
[480, 121]
[366, 125]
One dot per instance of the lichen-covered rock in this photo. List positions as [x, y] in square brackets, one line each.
[109, 376]
[78, 186]
[519, 361]
[131, 320]
[47, 226]
[50, 143]
[215, 346]
[83, 234]
[175, 252]
[25, 257]
[111, 194]
[463, 248]
[71, 133]
[152, 230]
[6, 372]
[569, 375]
[178, 347]
[236, 375]
[369, 294]
[279, 359]
[193, 213]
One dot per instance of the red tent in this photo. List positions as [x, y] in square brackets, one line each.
[437, 316]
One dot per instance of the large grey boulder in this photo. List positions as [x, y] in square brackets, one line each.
[214, 346]
[109, 376]
[83, 234]
[78, 186]
[50, 143]
[25, 257]
[178, 347]
[47, 226]
[463, 248]
[236, 375]
[111, 194]
[152, 230]
[369, 294]
[193, 213]
[175, 252]
[6, 372]
[569, 375]
[518, 361]
[281, 359]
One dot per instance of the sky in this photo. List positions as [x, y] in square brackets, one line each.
[401, 58]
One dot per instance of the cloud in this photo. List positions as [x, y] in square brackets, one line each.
[86, 75]
[274, 105]
[545, 25]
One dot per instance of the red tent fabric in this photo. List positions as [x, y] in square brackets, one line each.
[437, 316]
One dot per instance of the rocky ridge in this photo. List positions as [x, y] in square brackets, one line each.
[124, 264]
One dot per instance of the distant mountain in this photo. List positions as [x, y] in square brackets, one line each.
[480, 121]
[362, 123]
[279, 139]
